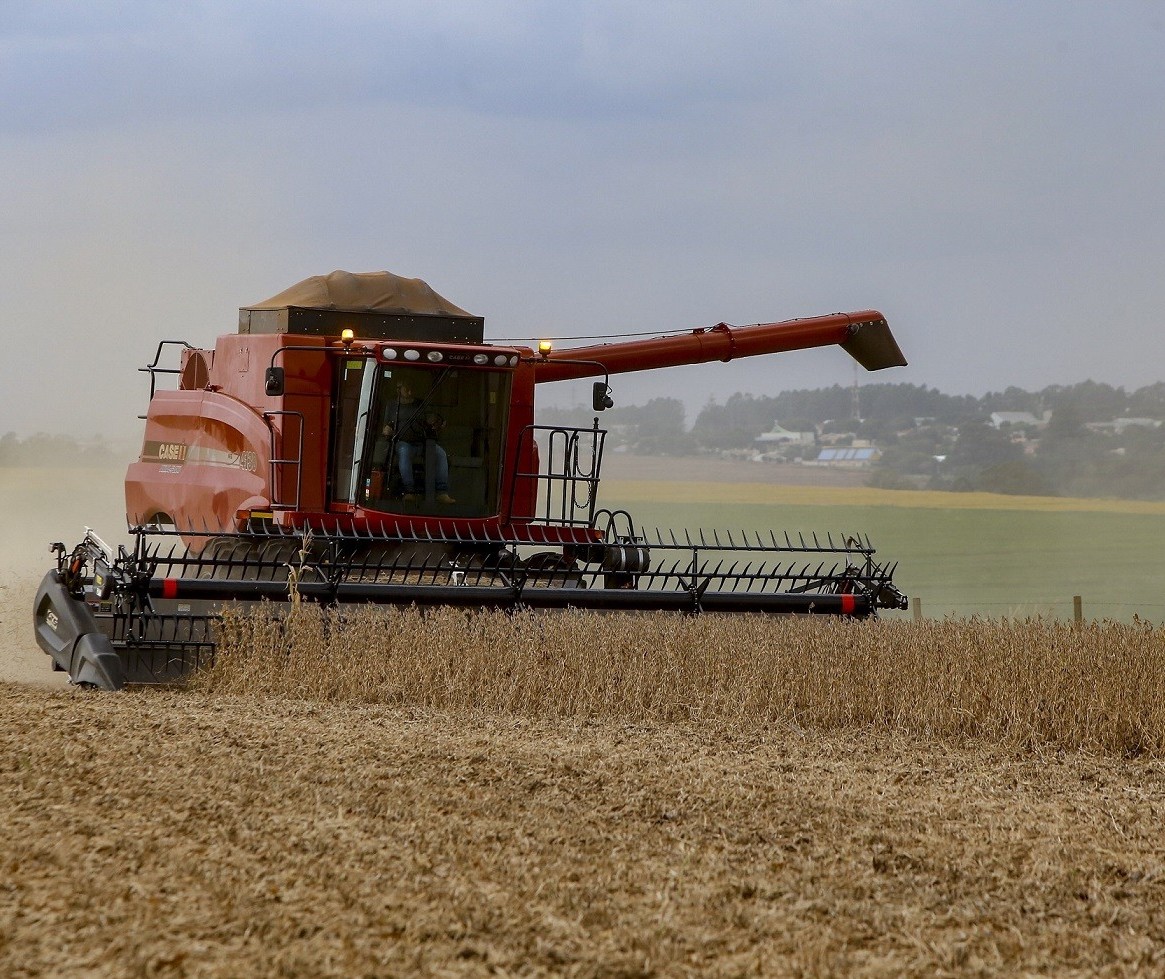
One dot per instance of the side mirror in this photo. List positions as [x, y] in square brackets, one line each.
[601, 397]
[273, 382]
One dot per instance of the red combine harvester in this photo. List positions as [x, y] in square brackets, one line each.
[357, 440]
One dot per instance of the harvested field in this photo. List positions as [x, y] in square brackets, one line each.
[587, 796]
[163, 833]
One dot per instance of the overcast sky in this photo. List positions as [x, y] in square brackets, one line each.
[989, 175]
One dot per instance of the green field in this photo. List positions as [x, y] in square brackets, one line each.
[969, 561]
[962, 554]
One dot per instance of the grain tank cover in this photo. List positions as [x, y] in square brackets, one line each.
[375, 305]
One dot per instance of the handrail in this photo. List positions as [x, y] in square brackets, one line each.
[277, 460]
[570, 483]
[153, 369]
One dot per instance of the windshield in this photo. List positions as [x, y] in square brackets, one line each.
[420, 440]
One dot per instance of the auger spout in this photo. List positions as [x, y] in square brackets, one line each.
[864, 335]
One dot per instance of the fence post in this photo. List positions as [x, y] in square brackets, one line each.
[1077, 609]
[917, 602]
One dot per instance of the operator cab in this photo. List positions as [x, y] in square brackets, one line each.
[419, 440]
[413, 414]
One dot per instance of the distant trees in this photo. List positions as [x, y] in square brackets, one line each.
[736, 423]
[55, 450]
[1015, 477]
[1147, 402]
[659, 427]
[1013, 399]
[656, 428]
[980, 445]
[1088, 401]
[985, 458]
[877, 401]
[927, 438]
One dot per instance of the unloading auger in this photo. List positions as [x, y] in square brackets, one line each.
[358, 441]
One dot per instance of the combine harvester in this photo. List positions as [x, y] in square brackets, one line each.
[274, 471]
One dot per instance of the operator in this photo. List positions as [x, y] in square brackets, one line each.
[407, 421]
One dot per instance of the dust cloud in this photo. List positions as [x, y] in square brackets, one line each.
[38, 506]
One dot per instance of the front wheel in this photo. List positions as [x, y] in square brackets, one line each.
[549, 569]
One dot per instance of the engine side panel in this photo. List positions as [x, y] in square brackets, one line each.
[204, 456]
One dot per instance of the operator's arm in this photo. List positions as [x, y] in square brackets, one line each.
[388, 429]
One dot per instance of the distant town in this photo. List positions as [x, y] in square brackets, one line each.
[1086, 439]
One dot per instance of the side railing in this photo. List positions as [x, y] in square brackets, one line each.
[280, 463]
[154, 370]
[566, 485]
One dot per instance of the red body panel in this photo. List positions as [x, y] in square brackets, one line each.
[205, 455]
[521, 453]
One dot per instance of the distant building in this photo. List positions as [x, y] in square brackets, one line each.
[847, 457]
[1001, 418]
[780, 436]
[1119, 425]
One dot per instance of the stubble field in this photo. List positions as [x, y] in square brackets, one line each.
[165, 833]
[592, 797]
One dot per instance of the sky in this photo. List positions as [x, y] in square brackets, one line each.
[986, 174]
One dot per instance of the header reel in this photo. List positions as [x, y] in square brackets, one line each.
[149, 615]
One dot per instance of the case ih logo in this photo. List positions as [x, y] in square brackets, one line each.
[165, 451]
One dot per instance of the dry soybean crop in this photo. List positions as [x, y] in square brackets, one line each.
[1097, 687]
[385, 793]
